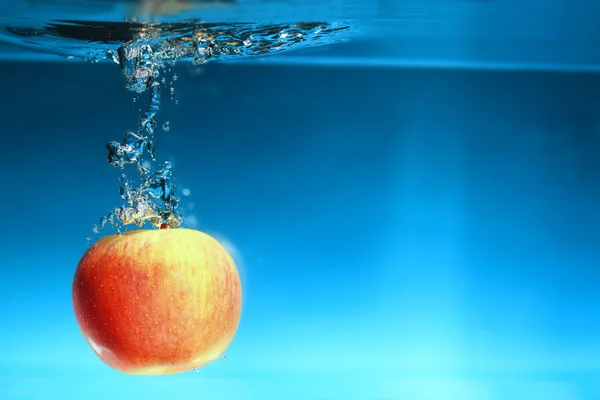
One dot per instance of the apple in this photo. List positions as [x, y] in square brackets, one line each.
[159, 301]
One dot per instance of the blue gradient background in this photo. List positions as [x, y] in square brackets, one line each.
[401, 234]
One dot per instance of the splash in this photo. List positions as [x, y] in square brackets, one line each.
[154, 200]
[145, 51]
[155, 43]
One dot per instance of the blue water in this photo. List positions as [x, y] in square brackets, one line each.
[401, 233]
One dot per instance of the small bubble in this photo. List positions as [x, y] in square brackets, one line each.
[196, 369]
[163, 81]
[89, 239]
[134, 99]
[166, 126]
[175, 77]
[186, 192]
[223, 358]
[150, 125]
[172, 89]
[95, 228]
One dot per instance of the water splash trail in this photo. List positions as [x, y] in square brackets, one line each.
[154, 199]
[143, 58]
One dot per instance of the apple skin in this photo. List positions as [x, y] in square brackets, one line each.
[160, 301]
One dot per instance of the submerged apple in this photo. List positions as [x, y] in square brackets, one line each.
[157, 301]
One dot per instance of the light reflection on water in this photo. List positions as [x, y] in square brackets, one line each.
[433, 33]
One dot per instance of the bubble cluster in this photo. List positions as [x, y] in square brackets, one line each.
[153, 200]
[130, 150]
[141, 205]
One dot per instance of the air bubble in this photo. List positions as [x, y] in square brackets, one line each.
[140, 80]
[129, 151]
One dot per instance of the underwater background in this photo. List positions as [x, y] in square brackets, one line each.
[412, 218]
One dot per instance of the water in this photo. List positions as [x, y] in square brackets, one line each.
[490, 34]
[411, 193]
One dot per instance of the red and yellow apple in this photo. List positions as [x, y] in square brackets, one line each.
[157, 301]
